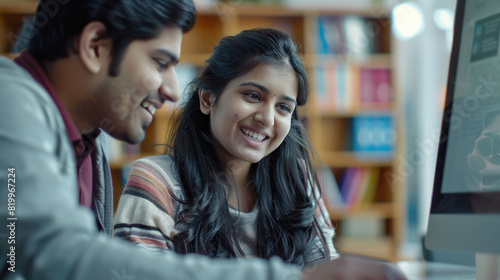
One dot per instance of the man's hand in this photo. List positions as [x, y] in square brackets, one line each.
[354, 268]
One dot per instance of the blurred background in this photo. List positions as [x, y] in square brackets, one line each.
[378, 72]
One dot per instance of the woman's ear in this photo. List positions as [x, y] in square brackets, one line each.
[206, 101]
[93, 50]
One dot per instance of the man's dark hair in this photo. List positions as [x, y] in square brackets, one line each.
[58, 22]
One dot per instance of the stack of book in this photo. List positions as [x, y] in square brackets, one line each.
[348, 35]
[357, 188]
[349, 87]
[373, 136]
[345, 82]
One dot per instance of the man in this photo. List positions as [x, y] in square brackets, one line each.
[97, 65]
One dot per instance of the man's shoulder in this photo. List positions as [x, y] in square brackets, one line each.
[19, 85]
[25, 101]
[10, 69]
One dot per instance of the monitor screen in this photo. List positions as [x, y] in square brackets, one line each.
[465, 207]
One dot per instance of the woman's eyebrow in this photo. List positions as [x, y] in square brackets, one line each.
[267, 91]
[286, 97]
[257, 85]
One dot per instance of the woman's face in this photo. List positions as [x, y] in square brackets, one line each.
[252, 116]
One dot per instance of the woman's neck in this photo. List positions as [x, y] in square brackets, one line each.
[242, 196]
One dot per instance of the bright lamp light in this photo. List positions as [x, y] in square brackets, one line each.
[408, 21]
[443, 18]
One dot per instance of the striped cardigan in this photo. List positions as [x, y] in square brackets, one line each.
[147, 212]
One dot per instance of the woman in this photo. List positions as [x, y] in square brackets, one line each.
[238, 180]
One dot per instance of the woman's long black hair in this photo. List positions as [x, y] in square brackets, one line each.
[283, 180]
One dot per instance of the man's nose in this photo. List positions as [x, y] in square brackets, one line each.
[169, 87]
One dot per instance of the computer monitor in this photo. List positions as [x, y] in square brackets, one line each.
[465, 207]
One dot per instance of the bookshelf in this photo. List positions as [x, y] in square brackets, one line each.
[12, 14]
[331, 119]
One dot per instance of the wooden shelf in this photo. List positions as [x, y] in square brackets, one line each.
[18, 8]
[381, 60]
[351, 159]
[381, 109]
[385, 210]
[380, 247]
[11, 20]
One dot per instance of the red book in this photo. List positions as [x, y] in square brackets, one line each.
[375, 86]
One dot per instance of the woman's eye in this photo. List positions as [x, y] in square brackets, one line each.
[253, 95]
[284, 108]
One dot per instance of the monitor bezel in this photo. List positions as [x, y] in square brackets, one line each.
[440, 201]
[453, 224]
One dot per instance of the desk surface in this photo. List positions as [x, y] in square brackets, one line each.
[419, 270]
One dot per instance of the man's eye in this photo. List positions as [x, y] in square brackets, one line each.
[162, 65]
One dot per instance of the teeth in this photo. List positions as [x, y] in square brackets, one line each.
[152, 109]
[148, 106]
[254, 135]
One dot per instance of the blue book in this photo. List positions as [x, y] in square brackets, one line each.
[342, 94]
[373, 134]
[322, 42]
[321, 87]
[331, 39]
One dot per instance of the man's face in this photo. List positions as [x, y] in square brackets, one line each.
[126, 103]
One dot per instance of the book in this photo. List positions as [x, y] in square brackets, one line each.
[329, 188]
[359, 42]
[322, 88]
[345, 35]
[365, 174]
[345, 187]
[337, 86]
[375, 86]
[373, 135]
[353, 186]
[345, 83]
[371, 188]
[331, 39]
[367, 187]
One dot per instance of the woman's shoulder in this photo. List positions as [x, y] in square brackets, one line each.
[162, 164]
[158, 170]
[161, 160]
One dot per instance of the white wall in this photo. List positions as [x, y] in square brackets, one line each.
[422, 62]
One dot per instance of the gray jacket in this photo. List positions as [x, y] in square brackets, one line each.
[45, 234]
[102, 193]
